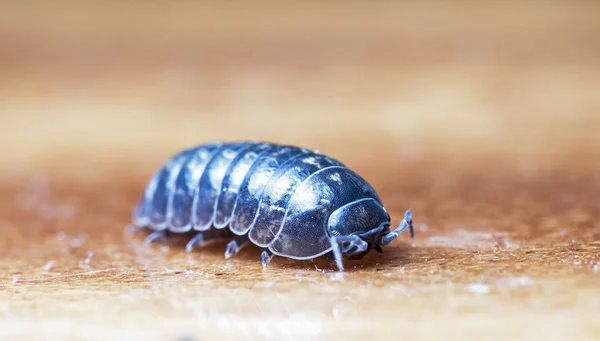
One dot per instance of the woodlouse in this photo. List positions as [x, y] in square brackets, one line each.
[291, 201]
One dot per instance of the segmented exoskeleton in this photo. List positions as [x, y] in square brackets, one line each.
[288, 200]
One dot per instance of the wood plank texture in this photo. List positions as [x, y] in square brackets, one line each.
[482, 117]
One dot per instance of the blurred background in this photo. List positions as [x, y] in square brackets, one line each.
[483, 117]
[103, 82]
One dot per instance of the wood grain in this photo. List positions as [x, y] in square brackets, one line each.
[482, 118]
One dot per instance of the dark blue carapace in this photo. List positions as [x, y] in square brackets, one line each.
[292, 202]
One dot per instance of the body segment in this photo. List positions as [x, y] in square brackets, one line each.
[254, 184]
[186, 187]
[278, 192]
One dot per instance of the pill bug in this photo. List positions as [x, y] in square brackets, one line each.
[291, 201]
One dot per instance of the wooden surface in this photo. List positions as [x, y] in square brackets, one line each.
[482, 118]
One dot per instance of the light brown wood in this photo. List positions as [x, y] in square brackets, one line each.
[481, 117]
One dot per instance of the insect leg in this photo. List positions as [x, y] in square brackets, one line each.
[266, 257]
[155, 236]
[196, 240]
[351, 242]
[337, 254]
[406, 223]
[133, 229]
[234, 246]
